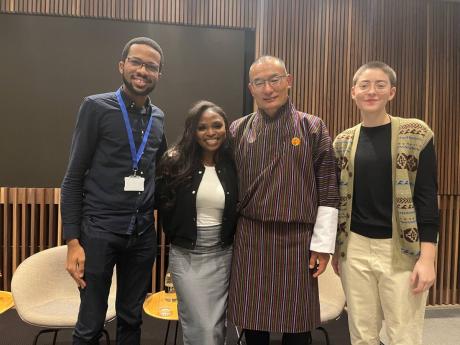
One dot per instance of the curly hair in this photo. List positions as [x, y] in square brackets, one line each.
[182, 159]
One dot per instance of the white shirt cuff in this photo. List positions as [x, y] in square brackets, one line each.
[325, 230]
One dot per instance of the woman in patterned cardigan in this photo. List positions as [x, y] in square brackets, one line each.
[388, 216]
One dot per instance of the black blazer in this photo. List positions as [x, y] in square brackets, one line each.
[179, 221]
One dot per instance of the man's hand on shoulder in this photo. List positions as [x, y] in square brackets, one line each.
[76, 261]
[318, 262]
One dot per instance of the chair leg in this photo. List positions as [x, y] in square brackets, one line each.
[167, 332]
[55, 336]
[310, 339]
[49, 330]
[107, 337]
[238, 342]
[175, 333]
[325, 334]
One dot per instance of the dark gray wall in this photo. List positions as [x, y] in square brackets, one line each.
[48, 64]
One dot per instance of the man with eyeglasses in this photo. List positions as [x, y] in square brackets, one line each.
[288, 212]
[107, 195]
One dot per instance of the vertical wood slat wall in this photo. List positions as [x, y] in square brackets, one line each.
[323, 42]
[229, 13]
[30, 220]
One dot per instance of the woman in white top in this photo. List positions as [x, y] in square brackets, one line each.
[197, 193]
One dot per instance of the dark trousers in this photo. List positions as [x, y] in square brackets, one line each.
[263, 338]
[133, 256]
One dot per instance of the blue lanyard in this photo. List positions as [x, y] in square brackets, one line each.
[135, 156]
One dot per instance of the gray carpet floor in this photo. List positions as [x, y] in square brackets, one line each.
[15, 332]
[442, 327]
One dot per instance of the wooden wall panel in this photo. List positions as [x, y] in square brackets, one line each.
[323, 42]
[232, 13]
[447, 287]
[327, 40]
[31, 222]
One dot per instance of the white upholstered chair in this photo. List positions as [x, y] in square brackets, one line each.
[46, 296]
[331, 298]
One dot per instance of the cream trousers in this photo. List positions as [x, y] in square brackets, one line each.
[375, 290]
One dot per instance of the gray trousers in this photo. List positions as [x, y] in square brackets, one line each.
[201, 277]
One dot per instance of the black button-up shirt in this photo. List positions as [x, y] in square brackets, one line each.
[100, 159]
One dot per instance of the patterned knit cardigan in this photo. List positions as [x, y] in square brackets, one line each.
[408, 138]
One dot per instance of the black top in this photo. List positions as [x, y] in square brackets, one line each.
[179, 221]
[373, 189]
[100, 159]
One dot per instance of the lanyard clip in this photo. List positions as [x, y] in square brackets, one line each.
[134, 172]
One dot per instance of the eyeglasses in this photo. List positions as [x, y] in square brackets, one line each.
[136, 63]
[379, 86]
[274, 81]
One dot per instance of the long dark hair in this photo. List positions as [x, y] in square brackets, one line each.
[182, 159]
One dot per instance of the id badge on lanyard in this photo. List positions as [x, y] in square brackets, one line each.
[134, 183]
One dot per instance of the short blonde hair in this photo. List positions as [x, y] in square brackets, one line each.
[376, 65]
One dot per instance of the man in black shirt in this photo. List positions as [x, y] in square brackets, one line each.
[108, 195]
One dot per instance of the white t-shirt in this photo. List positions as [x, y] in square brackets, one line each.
[210, 199]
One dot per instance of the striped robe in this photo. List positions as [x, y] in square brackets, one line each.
[281, 185]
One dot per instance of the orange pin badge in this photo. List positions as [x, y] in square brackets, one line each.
[295, 141]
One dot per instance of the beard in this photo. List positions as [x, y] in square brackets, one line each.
[144, 92]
